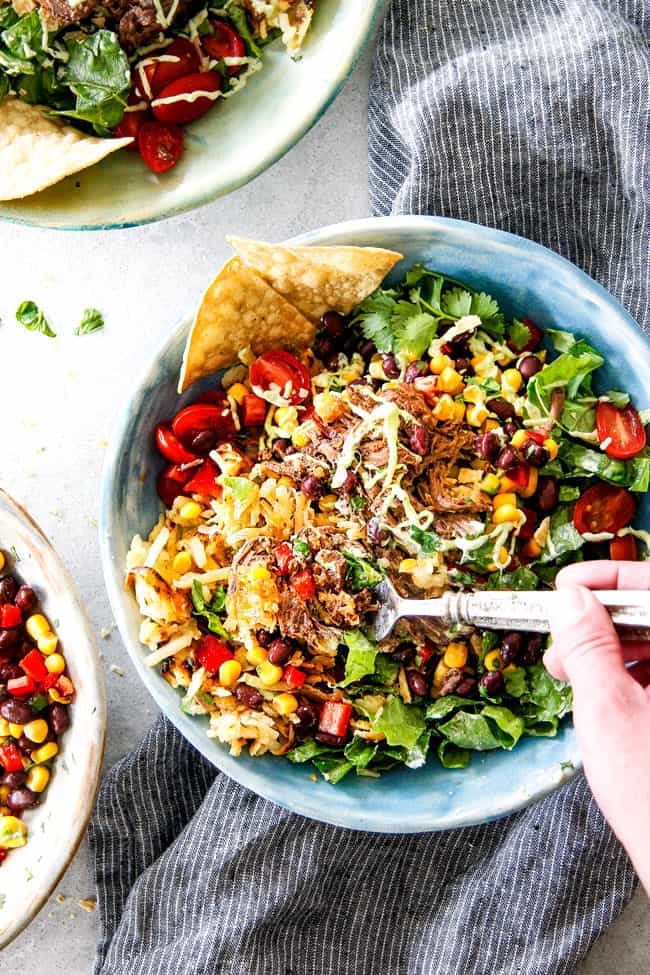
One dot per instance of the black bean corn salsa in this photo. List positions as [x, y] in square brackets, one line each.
[35, 693]
[424, 437]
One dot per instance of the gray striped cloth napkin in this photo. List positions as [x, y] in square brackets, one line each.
[533, 118]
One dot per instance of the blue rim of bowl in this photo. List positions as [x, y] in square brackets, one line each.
[257, 782]
[273, 157]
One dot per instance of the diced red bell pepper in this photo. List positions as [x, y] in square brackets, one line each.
[527, 530]
[284, 558]
[50, 681]
[21, 686]
[302, 583]
[520, 474]
[335, 718]
[538, 436]
[253, 410]
[64, 686]
[293, 677]
[11, 758]
[10, 616]
[204, 481]
[33, 664]
[211, 653]
[426, 652]
[3, 855]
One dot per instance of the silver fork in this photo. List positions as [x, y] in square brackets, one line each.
[494, 610]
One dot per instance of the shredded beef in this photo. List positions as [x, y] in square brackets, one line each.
[452, 680]
[61, 13]
[330, 569]
[340, 608]
[139, 24]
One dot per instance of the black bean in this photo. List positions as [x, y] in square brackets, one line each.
[10, 672]
[334, 324]
[487, 446]
[493, 683]
[25, 599]
[17, 712]
[350, 344]
[367, 350]
[535, 454]
[503, 409]
[326, 739]
[511, 647]
[404, 653]
[507, 459]
[8, 589]
[466, 687]
[281, 448]
[203, 442]
[25, 647]
[22, 798]
[311, 486]
[416, 682]
[420, 440]
[510, 428]
[548, 494]
[390, 367]
[462, 364]
[376, 534]
[249, 696]
[529, 366]
[535, 645]
[59, 718]
[414, 370]
[279, 652]
[9, 639]
[324, 348]
[13, 780]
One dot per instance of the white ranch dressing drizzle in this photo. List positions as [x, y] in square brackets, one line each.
[142, 74]
[639, 533]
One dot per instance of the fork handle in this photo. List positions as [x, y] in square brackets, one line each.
[629, 610]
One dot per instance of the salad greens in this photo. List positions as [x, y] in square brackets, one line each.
[92, 321]
[31, 316]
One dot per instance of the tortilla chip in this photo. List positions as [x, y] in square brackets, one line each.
[318, 279]
[240, 310]
[37, 151]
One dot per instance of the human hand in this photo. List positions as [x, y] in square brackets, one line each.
[611, 704]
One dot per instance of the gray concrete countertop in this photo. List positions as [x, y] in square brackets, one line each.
[61, 396]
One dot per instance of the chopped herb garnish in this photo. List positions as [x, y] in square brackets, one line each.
[33, 319]
[92, 321]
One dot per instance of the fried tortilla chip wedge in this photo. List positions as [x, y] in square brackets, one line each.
[37, 151]
[239, 310]
[318, 279]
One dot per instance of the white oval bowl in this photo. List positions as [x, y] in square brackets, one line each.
[56, 827]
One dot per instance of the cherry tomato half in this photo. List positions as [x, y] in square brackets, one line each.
[143, 78]
[132, 121]
[160, 145]
[215, 396]
[224, 43]
[188, 103]
[283, 376]
[623, 549]
[171, 480]
[203, 416]
[622, 427]
[170, 446]
[603, 508]
[205, 481]
[187, 62]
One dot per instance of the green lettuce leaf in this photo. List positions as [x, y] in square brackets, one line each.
[24, 39]
[361, 573]
[451, 756]
[360, 752]
[210, 610]
[332, 767]
[361, 657]
[520, 579]
[98, 73]
[563, 536]
[471, 731]
[401, 724]
[509, 726]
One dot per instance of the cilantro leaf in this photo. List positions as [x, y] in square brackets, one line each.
[429, 542]
[457, 302]
[414, 332]
[375, 315]
[518, 334]
[31, 316]
[92, 321]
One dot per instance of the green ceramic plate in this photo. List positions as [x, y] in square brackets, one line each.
[232, 144]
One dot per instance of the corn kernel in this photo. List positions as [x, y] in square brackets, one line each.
[45, 752]
[509, 669]
[285, 703]
[507, 513]
[328, 407]
[532, 549]
[511, 380]
[450, 381]
[285, 482]
[256, 655]
[458, 412]
[259, 573]
[15, 730]
[490, 484]
[444, 408]
[238, 391]
[299, 438]
[328, 502]
[36, 730]
[229, 672]
[473, 394]
[476, 415]
[38, 778]
[2, 561]
[13, 832]
[37, 625]
[503, 557]
[55, 663]
[376, 368]
[182, 563]
[4, 794]
[190, 511]
[407, 565]
[269, 674]
[440, 673]
[439, 362]
[286, 418]
[490, 425]
[519, 438]
[531, 487]
[455, 655]
[492, 660]
[552, 447]
[4, 728]
[504, 498]
[47, 643]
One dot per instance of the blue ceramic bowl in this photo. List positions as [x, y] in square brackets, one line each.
[526, 279]
[233, 143]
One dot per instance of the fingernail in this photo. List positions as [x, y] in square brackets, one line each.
[571, 601]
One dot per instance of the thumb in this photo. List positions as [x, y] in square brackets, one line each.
[586, 649]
